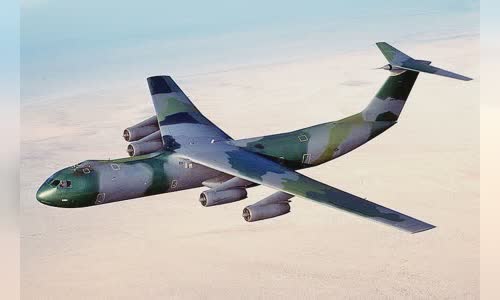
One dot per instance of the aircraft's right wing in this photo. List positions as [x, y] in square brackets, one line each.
[400, 60]
[238, 162]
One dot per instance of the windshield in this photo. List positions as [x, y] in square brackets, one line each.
[61, 183]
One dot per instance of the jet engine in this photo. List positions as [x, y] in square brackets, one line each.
[141, 130]
[275, 205]
[148, 144]
[212, 197]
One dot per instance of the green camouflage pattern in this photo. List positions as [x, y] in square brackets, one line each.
[96, 182]
[238, 162]
[181, 123]
[196, 152]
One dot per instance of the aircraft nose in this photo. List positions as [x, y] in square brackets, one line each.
[46, 194]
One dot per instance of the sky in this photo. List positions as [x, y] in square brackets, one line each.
[9, 50]
[75, 46]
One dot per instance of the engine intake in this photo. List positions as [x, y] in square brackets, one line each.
[211, 197]
[140, 130]
[272, 206]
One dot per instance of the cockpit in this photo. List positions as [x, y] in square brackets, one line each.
[64, 184]
[70, 187]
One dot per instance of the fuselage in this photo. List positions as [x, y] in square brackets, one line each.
[96, 182]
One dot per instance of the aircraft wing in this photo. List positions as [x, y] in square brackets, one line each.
[238, 162]
[181, 123]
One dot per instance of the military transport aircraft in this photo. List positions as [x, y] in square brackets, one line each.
[180, 149]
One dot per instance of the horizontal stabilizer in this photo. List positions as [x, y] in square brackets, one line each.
[398, 59]
[419, 67]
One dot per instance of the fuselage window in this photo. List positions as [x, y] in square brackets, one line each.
[115, 167]
[86, 170]
[303, 138]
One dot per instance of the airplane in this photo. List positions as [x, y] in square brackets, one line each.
[179, 149]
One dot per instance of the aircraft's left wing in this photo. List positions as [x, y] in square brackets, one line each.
[238, 162]
[181, 123]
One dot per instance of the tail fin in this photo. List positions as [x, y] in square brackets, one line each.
[391, 98]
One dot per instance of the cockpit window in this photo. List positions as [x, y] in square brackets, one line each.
[49, 180]
[61, 183]
[65, 184]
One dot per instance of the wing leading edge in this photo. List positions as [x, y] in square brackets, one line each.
[252, 167]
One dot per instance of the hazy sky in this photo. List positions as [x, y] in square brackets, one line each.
[9, 52]
[73, 46]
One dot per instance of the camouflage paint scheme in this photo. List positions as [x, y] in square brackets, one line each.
[197, 152]
[96, 182]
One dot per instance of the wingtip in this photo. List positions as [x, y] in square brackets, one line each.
[162, 84]
[422, 229]
[157, 76]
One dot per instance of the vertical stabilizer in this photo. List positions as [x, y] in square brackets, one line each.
[391, 98]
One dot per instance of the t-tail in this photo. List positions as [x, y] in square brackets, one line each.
[390, 99]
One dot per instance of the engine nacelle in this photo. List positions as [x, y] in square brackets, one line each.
[140, 148]
[211, 197]
[146, 145]
[137, 133]
[255, 212]
[140, 130]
